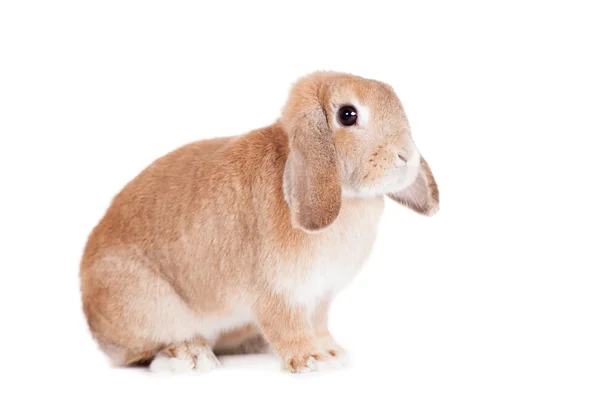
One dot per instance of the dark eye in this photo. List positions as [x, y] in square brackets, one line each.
[347, 115]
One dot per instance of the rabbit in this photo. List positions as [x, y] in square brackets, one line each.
[239, 244]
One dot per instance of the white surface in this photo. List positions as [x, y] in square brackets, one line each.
[495, 297]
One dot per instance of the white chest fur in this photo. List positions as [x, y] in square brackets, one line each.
[332, 257]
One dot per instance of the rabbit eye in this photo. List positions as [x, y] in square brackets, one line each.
[347, 115]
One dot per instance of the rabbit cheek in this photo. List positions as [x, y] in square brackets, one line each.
[378, 166]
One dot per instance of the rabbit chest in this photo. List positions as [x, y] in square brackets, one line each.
[327, 261]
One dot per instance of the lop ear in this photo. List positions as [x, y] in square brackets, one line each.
[423, 195]
[311, 180]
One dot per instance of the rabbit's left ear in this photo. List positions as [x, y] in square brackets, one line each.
[423, 195]
[311, 180]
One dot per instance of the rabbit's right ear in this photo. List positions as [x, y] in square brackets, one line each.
[311, 180]
[423, 195]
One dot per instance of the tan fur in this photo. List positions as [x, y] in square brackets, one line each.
[206, 244]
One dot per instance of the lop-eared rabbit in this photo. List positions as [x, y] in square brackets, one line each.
[239, 244]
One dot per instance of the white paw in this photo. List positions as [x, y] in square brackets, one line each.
[311, 365]
[341, 360]
[162, 363]
[314, 365]
[202, 361]
[205, 361]
[330, 364]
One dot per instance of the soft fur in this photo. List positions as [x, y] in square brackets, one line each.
[239, 244]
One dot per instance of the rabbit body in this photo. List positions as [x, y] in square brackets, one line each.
[159, 270]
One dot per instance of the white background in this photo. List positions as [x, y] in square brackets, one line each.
[497, 296]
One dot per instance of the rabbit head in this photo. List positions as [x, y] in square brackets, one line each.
[349, 137]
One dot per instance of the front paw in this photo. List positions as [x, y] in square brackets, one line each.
[331, 347]
[338, 357]
[305, 362]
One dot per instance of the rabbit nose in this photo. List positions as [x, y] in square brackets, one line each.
[400, 156]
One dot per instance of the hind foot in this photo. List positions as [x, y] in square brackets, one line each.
[185, 357]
